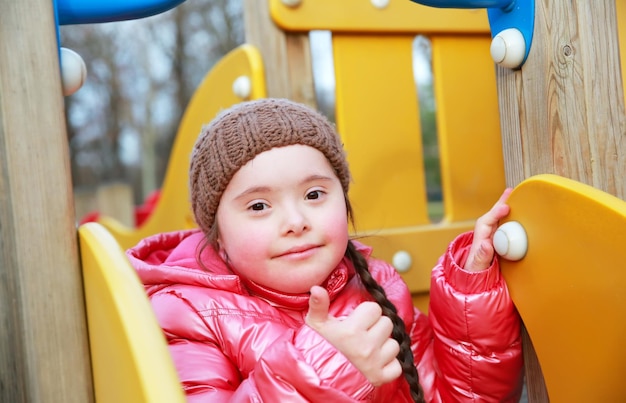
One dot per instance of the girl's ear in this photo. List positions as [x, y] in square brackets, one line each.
[221, 251]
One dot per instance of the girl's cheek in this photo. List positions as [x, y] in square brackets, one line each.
[251, 241]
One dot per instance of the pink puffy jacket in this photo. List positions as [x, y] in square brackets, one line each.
[232, 341]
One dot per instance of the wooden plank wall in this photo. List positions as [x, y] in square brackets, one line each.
[44, 355]
[563, 111]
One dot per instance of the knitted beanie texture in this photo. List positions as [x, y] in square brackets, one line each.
[245, 130]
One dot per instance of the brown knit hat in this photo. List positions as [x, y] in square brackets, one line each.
[238, 134]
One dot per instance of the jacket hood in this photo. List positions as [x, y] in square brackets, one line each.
[171, 258]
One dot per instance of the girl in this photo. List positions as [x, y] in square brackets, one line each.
[270, 301]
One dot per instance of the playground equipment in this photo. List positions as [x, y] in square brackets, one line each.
[566, 287]
[551, 122]
[129, 355]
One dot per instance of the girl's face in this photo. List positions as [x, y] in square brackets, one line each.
[282, 219]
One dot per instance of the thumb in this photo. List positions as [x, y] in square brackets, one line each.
[318, 307]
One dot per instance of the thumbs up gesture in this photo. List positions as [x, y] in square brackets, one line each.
[364, 336]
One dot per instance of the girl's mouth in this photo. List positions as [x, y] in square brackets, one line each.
[299, 252]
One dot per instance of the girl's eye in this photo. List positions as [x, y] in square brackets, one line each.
[314, 195]
[257, 206]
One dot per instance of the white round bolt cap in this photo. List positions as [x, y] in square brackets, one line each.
[242, 87]
[73, 71]
[291, 3]
[508, 48]
[510, 241]
[380, 4]
[402, 261]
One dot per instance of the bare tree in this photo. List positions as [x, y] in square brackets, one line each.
[141, 75]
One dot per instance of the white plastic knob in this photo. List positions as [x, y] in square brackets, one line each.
[380, 4]
[510, 241]
[73, 71]
[402, 261]
[242, 87]
[292, 3]
[508, 48]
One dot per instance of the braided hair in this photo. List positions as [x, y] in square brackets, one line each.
[399, 333]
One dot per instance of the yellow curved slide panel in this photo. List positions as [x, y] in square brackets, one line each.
[129, 356]
[570, 288]
[214, 94]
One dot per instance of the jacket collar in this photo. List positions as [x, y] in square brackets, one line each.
[334, 283]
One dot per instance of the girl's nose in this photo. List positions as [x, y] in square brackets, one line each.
[295, 220]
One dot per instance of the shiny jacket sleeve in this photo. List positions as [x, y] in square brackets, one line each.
[475, 353]
[295, 367]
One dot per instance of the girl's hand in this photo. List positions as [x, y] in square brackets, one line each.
[482, 252]
[364, 337]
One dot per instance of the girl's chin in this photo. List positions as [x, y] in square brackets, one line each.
[295, 289]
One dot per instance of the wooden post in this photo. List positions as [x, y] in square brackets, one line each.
[286, 56]
[563, 111]
[44, 354]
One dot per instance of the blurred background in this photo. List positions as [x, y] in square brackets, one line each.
[140, 76]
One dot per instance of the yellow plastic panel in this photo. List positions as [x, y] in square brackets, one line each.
[425, 244]
[400, 16]
[377, 117]
[468, 125]
[214, 94]
[129, 356]
[570, 286]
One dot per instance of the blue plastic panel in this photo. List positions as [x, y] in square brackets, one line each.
[502, 14]
[95, 11]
